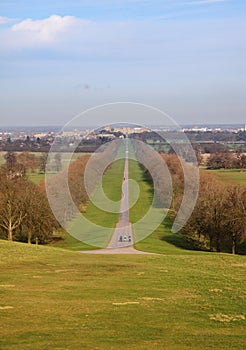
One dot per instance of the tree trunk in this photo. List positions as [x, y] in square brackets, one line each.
[218, 249]
[10, 233]
[205, 244]
[211, 244]
[233, 248]
[29, 237]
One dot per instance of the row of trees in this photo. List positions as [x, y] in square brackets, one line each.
[67, 192]
[59, 186]
[218, 220]
[26, 161]
[219, 215]
[177, 174]
[227, 160]
[25, 213]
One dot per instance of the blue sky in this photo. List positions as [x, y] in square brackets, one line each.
[185, 57]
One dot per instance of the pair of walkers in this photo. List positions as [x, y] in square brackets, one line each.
[125, 238]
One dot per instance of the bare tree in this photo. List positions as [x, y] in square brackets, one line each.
[58, 162]
[235, 215]
[219, 214]
[208, 215]
[42, 162]
[24, 210]
[28, 160]
[12, 211]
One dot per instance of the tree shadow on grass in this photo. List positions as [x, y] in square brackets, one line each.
[178, 239]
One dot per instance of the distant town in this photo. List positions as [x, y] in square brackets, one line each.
[40, 139]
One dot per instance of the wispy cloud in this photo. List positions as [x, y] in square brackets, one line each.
[4, 20]
[204, 2]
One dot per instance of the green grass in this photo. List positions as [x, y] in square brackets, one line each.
[112, 180]
[228, 177]
[36, 178]
[57, 299]
[112, 186]
[145, 191]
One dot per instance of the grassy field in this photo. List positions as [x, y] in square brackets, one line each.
[229, 177]
[112, 183]
[36, 178]
[146, 193]
[57, 299]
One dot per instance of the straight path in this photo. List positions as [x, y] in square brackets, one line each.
[122, 236]
[122, 240]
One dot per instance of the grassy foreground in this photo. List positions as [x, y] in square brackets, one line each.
[57, 299]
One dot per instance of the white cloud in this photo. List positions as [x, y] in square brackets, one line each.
[48, 29]
[77, 34]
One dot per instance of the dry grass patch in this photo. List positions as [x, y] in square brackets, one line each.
[226, 318]
[6, 307]
[126, 303]
[7, 285]
[152, 299]
[216, 290]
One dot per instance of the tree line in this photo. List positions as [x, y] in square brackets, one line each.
[28, 162]
[63, 205]
[218, 220]
[219, 216]
[227, 160]
[25, 214]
